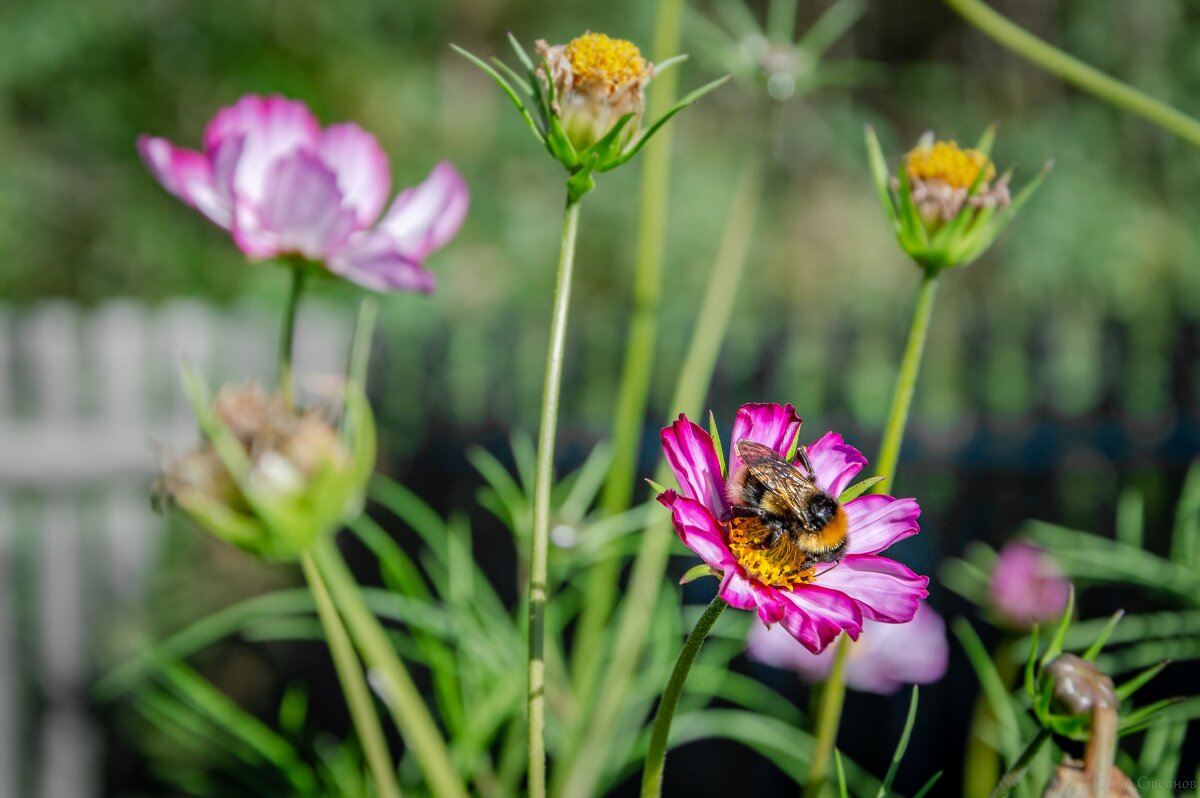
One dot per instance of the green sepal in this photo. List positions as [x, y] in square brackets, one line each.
[657, 488]
[1060, 634]
[1134, 684]
[668, 63]
[581, 182]
[715, 434]
[698, 571]
[649, 132]
[1097, 645]
[608, 146]
[1031, 665]
[879, 176]
[859, 488]
[1144, 717]
[504, 85]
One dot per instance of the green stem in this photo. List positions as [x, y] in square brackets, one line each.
[403, 699]
[656, 755]
[354, 685]
[981, 764]
[589, 747]
[543, 483]
[906, 383]
[288, 334]
[1075, 71]
[634, 390]
[829, 718]
[712, 322]
[1017, 771]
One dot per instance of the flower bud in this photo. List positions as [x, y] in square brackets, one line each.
[267, 478]
[596, 81]
[1079, 686]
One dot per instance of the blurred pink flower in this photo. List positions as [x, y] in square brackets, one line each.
[884, 658]
[285, 186]
[1027, 586]
[830, 598]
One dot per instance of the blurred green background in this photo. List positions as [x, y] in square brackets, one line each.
[1061, 367]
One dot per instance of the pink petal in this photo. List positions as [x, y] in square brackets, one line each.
[301, 211]
[777, 647]
[698, 530]
[425, 217]
[363, 174]
[737, 590]
[815, 615]
[692, 457]
[883, 589]
[891, 655]
[835, 462]
[270, 128]
[371, 260]
[745, 593]
[769, 424]
[876, 522]
[186, 174]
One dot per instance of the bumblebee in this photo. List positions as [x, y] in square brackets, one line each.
[778, 510]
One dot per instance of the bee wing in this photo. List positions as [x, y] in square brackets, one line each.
[778, 475]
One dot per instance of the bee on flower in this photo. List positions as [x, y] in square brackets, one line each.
[947, 204]
[806, 558]
[584, 101]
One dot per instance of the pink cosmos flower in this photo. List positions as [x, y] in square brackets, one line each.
[830, 598]
[885, 658]
[283, 185]
[1027, 586]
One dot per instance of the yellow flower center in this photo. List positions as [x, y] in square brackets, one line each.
[945, 161]
[781, 565]
[610, 62]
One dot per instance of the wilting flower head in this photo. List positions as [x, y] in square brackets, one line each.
[597, 81]
[1027, 586]
[269, 479]
[813, 604]
[584, 101]
[885, 657]
[947, 204]
[286, 187]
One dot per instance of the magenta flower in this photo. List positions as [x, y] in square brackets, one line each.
[1027, 586]
[284, 186]
[886, 657]
[817, 604]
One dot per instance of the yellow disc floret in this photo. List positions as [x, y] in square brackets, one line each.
[610, 62]
[946, 162]
[781, 565]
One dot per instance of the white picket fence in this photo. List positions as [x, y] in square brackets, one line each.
[87, 400]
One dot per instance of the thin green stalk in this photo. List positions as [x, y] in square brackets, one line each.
[691, 386]
[403, 699]
[1075, 71]
[656, 754]
[354, 685]
[1017, 771]
[634, 390]
[833, 693]
[829, 719]
[588, 754]
[906, 383]
[981, 764]
[288, 334]
[543, 483]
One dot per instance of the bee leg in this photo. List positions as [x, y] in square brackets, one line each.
[802, 454]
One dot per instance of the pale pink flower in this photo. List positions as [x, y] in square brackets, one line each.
[1027, 586]
[885, 657]
[285, 186]
[834, 596]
